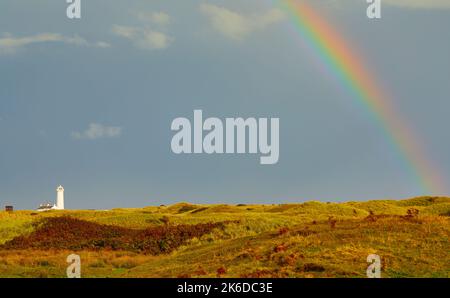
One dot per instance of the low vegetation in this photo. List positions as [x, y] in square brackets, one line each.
[312, 239]
[71, 233]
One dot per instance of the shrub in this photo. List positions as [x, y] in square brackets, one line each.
[221, 271]
[75, 234]
[311, 267]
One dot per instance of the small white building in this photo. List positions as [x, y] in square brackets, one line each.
[59, 201]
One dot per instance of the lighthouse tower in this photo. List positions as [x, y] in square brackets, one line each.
[59, 198]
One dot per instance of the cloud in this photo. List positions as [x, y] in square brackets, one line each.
[9, 44]
[238, 26]
[124, 31]
[157, 18]
[431, 4]
[154, 40]
[97, 131]
[144, 38]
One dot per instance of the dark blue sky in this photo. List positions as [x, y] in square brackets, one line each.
[88, 104]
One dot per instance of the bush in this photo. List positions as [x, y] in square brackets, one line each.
[75, 234]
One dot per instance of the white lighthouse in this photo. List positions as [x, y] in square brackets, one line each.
[59, 198]
[59, 201]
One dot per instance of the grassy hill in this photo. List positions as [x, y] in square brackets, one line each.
[312, 239]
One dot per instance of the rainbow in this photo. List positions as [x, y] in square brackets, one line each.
[339, 59]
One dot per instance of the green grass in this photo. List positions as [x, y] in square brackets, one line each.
[279, 240]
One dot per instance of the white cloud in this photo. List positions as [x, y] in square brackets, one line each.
[144, 38]
[238, 26]
[154, 40]
[97, 131]
[433, 4]
[158, 18]
[124, 31]
[9, 44]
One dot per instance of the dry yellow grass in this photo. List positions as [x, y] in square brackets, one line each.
[295, 240]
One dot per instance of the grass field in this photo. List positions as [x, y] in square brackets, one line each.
[312, 239]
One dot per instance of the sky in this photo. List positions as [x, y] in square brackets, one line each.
[89, 103]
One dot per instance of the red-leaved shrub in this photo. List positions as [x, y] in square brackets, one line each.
[75, 234]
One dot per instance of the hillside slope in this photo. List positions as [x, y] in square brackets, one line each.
[311, 239]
